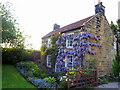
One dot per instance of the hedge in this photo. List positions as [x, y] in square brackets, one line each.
[14, 55]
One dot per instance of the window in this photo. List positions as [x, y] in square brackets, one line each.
[48, 43]
[115, 45]
[69, 41]
[49, 61]
[69, 61]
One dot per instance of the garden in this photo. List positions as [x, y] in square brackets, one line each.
[21, 67]
[27, 74]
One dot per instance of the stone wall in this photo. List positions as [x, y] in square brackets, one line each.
[99, 26]
[104, 55]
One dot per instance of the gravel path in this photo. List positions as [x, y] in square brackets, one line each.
[110, 85]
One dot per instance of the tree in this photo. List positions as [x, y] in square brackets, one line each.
[11, 35]
[116, 28]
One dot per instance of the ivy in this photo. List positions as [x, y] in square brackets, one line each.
[52, 50]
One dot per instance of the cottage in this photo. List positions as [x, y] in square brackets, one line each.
[85, 42]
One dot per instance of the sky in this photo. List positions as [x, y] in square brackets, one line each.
[37, 17]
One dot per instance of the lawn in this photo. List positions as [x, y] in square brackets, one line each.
[12, 79]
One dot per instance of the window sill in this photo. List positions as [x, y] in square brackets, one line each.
[70, 47]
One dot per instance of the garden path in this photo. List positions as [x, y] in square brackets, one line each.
[110, 85]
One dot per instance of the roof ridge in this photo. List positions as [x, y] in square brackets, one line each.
[69, 26]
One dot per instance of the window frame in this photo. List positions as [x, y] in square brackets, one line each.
[49, 61]
[48, 43]
[68, 41]
[66, 62]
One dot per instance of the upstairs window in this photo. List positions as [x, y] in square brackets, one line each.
[49, 61]
[69, 41]
[115, 45]
[48, 43]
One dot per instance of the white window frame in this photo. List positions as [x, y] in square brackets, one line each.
[67, 60]
[49, 61]
[48, 43]
[115, 45]
[68, 40]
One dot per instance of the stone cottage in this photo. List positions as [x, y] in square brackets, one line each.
[102, 42]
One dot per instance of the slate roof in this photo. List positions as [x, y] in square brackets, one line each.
[69, 27]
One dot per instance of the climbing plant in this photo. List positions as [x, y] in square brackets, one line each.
[80, 48]
[52, 50]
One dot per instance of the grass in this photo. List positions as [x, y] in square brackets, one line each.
[12, 79]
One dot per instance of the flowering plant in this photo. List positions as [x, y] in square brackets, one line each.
[81, 46]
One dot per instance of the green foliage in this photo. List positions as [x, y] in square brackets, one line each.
[28, 66]
[55, 75]
[113, 27]
[116, 28]
[32, 68]
[42, 49]
[112, 78]
[52, 50]
[8, 24]
[72, 71]
[14, 55]
[11, 35]
[54, 39]
[63, 83]
[103, 80]
[116, 66]
[50, 80]
[88, 72]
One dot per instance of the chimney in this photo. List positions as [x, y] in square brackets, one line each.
[99, 8]
[56, 27]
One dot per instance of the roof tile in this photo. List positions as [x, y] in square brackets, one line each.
[69, 27]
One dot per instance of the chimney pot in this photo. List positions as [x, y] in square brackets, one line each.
[56, 27]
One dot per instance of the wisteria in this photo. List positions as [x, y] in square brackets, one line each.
[80, 48]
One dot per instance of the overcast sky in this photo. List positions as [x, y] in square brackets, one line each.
[36, 17]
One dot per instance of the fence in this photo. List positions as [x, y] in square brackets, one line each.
[82, 78]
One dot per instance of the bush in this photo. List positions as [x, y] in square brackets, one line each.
[55, 74]
[31, 68]
[103, 80]
[15, 55]
[63, 83]
[50, 80]
[72, 73]
[112, 77]
[116, 66]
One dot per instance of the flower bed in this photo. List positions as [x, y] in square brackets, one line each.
[37, 76]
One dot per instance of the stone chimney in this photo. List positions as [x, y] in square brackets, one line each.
[56, 27]
[99, 8]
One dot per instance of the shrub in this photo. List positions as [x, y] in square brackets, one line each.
[72, 73]
[31, 68]
[55, 74]
[50, 80]
[15, 55]
[103, 80]
[43, 75]
[112, 77]
[63, 83]
[116, 66]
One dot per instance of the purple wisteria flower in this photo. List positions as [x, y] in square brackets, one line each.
[80, 47]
